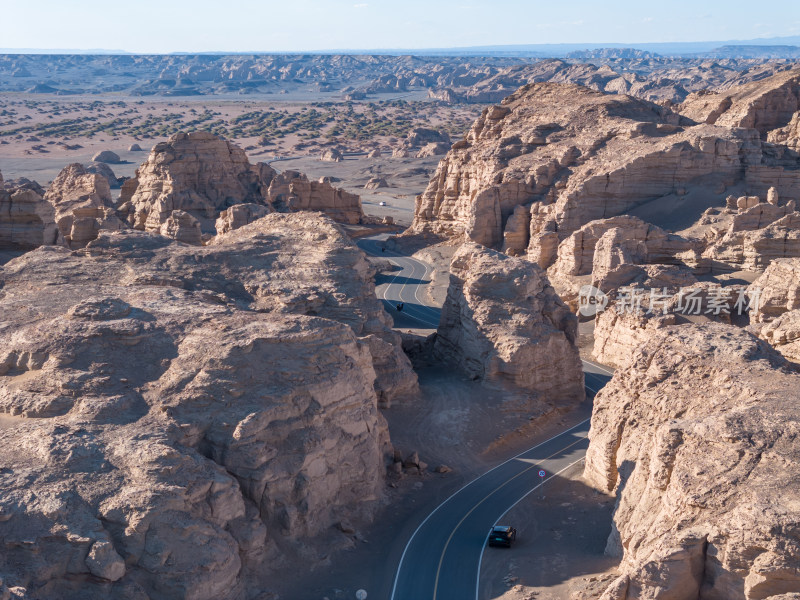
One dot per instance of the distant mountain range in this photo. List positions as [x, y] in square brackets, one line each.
[776, 47]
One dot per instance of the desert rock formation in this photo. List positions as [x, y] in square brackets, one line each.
[183, 227]
[503, 321]
[83, 205]
[198, 173]
[770, 106]
[618, 333]
[180, 409]
[27, 221]
[573, 155]
[697, 437]
[203, 175]
[238, 216]
[778, 290]
[332, 155]
[104, 170]
[758, 233]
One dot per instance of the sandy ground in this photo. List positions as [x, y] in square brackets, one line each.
[41, 134]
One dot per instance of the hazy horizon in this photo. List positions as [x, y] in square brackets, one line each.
[180, 26]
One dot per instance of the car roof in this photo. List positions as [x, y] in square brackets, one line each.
[503, 528]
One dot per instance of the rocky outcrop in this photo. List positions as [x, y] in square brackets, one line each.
[617, 333]
[332, 155]
[697, 438]
[182, 227]
[777, 290]
[433, 149]
[502, 321]
[104, 170]
[199, 173]
[758, 234]
[783, 334]
[422, 136]
[26, 220]
[293, 191]
[600, 246]
[296, 281]
[621, 251]
[182, 410]
[83, 205]
[107, 156]
[203, 175]
[238, 216]
[517, 233]
[375, 183]
[769, 105]
[573, 155]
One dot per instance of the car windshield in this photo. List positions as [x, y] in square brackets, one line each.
[501, 530]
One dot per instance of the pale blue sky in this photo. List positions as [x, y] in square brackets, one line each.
[292, 25]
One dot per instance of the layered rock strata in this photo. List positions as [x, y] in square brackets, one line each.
[83, 205]
[571, 155]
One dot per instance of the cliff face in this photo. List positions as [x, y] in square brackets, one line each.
[697, 436]
[770, 106]
[573, 155]
[178, 410]
[503, 321]
[26, 220]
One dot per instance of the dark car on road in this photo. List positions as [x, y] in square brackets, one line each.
[502, 535]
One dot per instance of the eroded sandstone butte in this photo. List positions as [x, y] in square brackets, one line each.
[181, 411]
[203, 175]
[26, 220]
[503, 321]
[570, 155]
[697, 436]
[83, 205]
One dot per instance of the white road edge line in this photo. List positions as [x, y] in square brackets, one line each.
[480, 559]
[402, 287]
[454, 494]
[596, 366]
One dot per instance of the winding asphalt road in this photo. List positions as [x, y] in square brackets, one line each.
[442, 559]
[404, 285]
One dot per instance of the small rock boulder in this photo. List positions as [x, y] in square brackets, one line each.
[183, 227]
[433, 149]
[104, 562]
[106, 156]
[376, 183]
[332, 155]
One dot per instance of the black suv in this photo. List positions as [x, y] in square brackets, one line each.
[502, 535]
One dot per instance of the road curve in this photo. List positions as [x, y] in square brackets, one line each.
[404, 285]
[441, 560]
